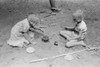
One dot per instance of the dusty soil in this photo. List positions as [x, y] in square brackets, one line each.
[13, 11]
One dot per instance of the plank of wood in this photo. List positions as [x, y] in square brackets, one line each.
[53, 57]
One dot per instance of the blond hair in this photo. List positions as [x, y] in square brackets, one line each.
[32, 18]
[78, 15]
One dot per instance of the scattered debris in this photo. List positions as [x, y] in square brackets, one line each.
[47, 15]
[43, 27]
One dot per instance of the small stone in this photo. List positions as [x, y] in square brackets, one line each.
[56, 43]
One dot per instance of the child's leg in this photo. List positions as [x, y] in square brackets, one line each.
[52, 3]
[66, 34]
[53, 6]
[22, 43]
[83, 36]
[18, 43]
[73, 43]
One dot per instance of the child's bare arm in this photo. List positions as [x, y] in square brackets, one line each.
[36, 30]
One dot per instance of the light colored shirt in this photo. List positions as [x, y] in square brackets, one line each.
[82, 26]
[16, 37]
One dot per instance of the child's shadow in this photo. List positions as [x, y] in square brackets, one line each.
[36, 35]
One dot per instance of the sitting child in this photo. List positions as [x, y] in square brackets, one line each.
[76, 35]
[19, 33]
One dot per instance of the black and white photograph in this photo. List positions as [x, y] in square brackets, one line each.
[49, 33]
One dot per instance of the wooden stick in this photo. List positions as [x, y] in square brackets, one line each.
[38, 60]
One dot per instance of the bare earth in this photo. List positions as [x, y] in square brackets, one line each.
[12, 11]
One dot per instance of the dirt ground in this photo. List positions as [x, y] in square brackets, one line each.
[12, 11]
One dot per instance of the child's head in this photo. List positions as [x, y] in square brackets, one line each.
[33, 20]
[78, 15]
